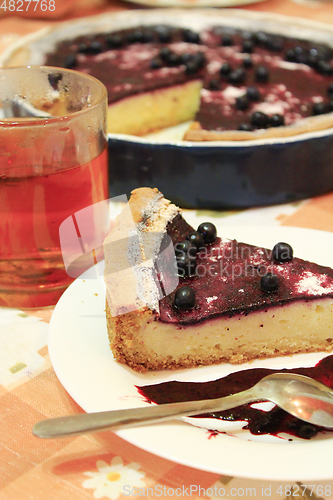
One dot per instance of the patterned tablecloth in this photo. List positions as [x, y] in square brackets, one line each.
[99, 465]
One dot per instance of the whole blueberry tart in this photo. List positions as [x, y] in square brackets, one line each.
[232, 75]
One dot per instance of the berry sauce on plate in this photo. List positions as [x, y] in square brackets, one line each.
[257, 421]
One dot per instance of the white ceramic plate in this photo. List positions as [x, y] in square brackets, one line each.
[194, 3]
[80, 354]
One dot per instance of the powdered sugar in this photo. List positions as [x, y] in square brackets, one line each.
[312, 284]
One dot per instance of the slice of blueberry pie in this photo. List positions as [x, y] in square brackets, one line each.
[234, 302]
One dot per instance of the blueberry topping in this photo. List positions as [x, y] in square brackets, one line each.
[164, 34]
[276, 120]
[174, 59]
[237, 76]
[196, 238]
[282, 252]
[70, 61]
[275, 44]
[262, 74]
[245, 127]
[165, 53]
[242, 103]
[259, 120]
[261, 38]
[208, 231]
[170, 57]
[225, 69]
[253, 93]
[195, 62]
[269, 282]
[248, 46]
[191, 36]
[330, 89]
[247, 62]
[186, 247]
[114, 41]
[226, 40]
[139, 36]
[186, 265]
[184, 298]
[290, 55]
[307, 431]
[156, 63]
[319, 108]
[94, 47]
[214, 84]
[324, 68]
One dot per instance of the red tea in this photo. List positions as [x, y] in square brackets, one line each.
[32, 207]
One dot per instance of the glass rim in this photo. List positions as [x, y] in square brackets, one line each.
[43, 121]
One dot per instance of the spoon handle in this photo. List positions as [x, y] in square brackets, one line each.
[101, 421]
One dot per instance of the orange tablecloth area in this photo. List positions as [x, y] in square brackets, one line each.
[30, 391]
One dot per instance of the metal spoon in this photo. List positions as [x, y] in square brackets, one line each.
[300, 396]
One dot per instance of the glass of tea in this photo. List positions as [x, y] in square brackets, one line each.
[53, 165]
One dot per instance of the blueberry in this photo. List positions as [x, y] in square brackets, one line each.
[170, 57]
[70, 61]
[262, 74]
[319, 108]
[195, 62]
[191, 36]
[139, 36]
[269, 282]
[214, 84]
[196, 238]
[186, 247]
[174, 59]
[226, 40]
[247, 62]
[156, 63]
[237, 76]
[330, 89]
[275, 44]
[82, 48]
[253, 93]
[242, 103]
[261, 38]
[307, 431]
[245, 127]
[282, 252]
[259, 120]
[114, 41]
[165, 53]
[184, 298]
[164, 34]
[208, 231]
[94, 48]
[225, 69]
[247, 46]
[290, 55]
[276, 120]
[185, 264]
[324, 68]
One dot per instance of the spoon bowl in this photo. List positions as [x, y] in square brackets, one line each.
[301, 396]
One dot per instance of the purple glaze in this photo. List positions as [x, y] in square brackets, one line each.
[228, 276]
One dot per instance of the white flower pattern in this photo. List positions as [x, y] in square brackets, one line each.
[110, 480]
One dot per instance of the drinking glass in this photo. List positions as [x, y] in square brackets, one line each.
[53, 164]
